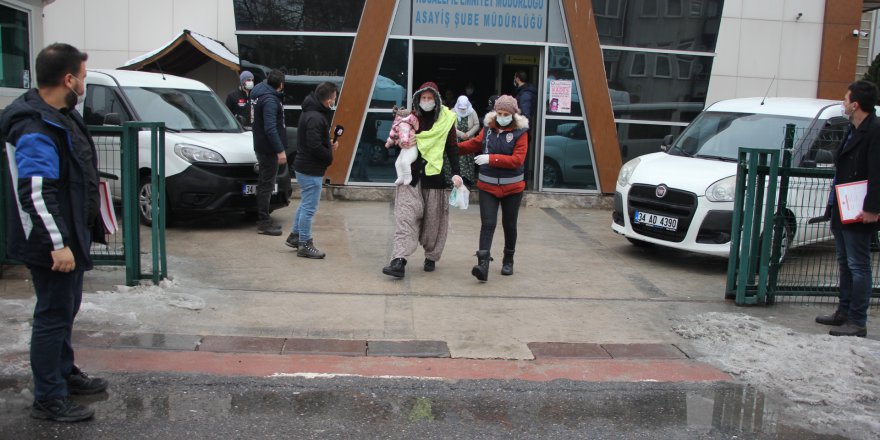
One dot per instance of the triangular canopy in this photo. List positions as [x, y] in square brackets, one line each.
[183, 54]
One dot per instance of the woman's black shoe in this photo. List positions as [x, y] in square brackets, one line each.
[396, 268]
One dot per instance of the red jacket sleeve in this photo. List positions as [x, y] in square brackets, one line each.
[473, 145]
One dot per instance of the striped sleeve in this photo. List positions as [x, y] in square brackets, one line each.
[38, 171]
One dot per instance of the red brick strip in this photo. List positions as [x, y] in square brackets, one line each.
[253, 364]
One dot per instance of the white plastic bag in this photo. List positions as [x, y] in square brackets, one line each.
[459, 197]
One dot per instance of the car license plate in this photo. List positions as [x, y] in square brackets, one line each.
[251, 189]
[657, 221]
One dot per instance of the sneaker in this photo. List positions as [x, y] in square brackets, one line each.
[836, 318]
[79, 383]
[292, 240]
[61, 410]
[307, 250]
[269, 229]
[849, 329]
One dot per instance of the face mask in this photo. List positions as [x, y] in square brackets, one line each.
[427, 106]
[249, 85]
[74, 99]
[504, 121]
[515, 84]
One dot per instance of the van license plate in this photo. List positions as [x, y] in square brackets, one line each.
[251, 189]
[657, 221]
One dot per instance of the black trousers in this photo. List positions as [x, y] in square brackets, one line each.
[265, 185]
[59, 295]
[489, 218]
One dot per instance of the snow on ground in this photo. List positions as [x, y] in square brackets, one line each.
[834, 382]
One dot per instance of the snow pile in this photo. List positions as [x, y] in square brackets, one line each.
[833, 381]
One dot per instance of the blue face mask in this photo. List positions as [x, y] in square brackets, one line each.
[504, 121]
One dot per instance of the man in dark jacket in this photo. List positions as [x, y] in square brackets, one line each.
[314, 154]
[239, 101]
[53, 214]
[858, 159]
[270, 144]
[527, 100]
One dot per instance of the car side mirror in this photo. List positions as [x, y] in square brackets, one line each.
[824, 157]
[667, 142]
[112, 119]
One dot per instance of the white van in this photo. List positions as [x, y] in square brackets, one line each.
[683, 197]
[210, 164]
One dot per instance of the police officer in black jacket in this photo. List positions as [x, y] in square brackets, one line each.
[270, 144]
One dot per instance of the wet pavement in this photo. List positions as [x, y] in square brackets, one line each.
[192, 406]
[579, 343]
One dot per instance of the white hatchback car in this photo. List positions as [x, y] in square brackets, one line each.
[683, 197]
[210, 164]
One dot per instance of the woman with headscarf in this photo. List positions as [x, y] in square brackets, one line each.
[421, 209]
[502, 146]
[467, 125]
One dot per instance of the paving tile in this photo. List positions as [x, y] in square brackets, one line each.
[331, 347]
[94, 339]
[419, 349]
[241, 344]
[644, 351]
[547, 350]
[161, 341]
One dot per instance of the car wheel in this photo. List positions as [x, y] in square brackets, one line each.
[145, 200]
[552, 174]
[378, 154]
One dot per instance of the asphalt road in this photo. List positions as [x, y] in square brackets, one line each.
[170, 406]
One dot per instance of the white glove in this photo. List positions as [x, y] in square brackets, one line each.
[481, 159]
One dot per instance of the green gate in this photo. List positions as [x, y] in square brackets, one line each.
[781, 245]
[118, 152]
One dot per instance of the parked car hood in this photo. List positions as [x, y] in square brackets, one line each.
[234, 147]
[686, 173]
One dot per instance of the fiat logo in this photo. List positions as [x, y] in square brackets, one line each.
[660, 192]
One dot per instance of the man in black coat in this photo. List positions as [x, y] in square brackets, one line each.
[54, 215]
[313, 155]
[270, 144]
[239, 100]
[858, 159]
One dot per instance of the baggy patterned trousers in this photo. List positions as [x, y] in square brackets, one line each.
[421, 216]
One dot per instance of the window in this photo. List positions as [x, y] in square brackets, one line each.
[101, 101]
[637, 68]
[390, 88]
[298, 15]
[673, 8]
[684, 67]
[662, 67]
[15, 71]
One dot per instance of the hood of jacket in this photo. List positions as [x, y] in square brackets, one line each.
[312, 104]
[263, 89]
[427, 87]
[519, 121]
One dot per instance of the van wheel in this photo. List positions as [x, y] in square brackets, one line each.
[552, 174]
[145, 200]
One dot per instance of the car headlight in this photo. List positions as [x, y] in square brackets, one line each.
[722, 190]
[194, 153]
[626, 171]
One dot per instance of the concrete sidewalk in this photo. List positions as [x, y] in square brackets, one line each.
[575, 281]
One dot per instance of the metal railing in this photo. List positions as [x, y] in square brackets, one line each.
[118, 151]
[782, 248]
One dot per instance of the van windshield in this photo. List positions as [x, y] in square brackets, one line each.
[182, 110]
[719, 135]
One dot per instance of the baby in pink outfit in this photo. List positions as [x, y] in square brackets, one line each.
[403, 130]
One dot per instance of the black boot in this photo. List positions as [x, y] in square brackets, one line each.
[481, 270]
[396, 268]
[507, 262]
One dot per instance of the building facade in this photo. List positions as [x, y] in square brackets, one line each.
[613, 77]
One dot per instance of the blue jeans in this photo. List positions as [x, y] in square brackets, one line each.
[854, 262]
[58, 298]
[310, 189]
